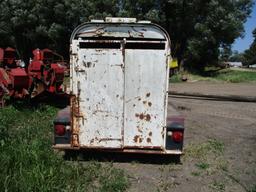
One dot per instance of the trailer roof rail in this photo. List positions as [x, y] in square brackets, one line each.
[144, 21]
[97, 21]
[120, 20]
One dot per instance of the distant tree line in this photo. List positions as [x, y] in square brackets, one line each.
[250, 54]
[248, 57]
[199, 29]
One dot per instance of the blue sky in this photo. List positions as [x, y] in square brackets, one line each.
[242, 44]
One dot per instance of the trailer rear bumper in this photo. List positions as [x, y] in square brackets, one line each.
[119, 150]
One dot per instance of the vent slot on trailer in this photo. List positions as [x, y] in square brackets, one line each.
[99, 45]
[116, 45]
[136, 45]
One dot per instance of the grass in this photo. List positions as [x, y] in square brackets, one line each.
[233, 76]
[217, 186]
[202, 165]
[195, 173]
[208, 157]
[201, 151]
[253, 189]
[225, 75]
[28, 163]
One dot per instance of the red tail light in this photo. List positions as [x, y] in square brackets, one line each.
[60, 130]
[177, 136]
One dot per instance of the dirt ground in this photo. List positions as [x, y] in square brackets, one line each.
[210, 88]
[220, 146]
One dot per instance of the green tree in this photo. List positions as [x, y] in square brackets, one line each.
[143, 10]
[225, 53]
[250, 54]
[198, 29]
[32, 24]
[236, 57]
[205, 27]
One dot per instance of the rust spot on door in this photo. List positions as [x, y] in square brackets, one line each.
[148, 117]
[150, 134]
[136, 138]
[141, 116]
[148, 94]
[149, 104]
[144, 102]
[148, 140]
[92, 141]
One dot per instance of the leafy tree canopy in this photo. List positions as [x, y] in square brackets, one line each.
[199, 29]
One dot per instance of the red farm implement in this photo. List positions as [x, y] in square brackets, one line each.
[14, 80]
[45, 73]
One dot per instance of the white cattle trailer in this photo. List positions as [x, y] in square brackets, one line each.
[119, 87]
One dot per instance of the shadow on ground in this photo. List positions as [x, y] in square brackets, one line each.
[84, 155]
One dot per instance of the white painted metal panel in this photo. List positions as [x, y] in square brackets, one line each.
[145, 94]
[101, 77]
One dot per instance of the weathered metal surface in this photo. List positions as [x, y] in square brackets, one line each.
[145, 85]
[140, 31]
[14, 80]
[119, 86]
[46, 71]
[19, 78]
[100, 72]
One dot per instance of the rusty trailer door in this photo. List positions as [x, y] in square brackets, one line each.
[100, 79]
[145, 94]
